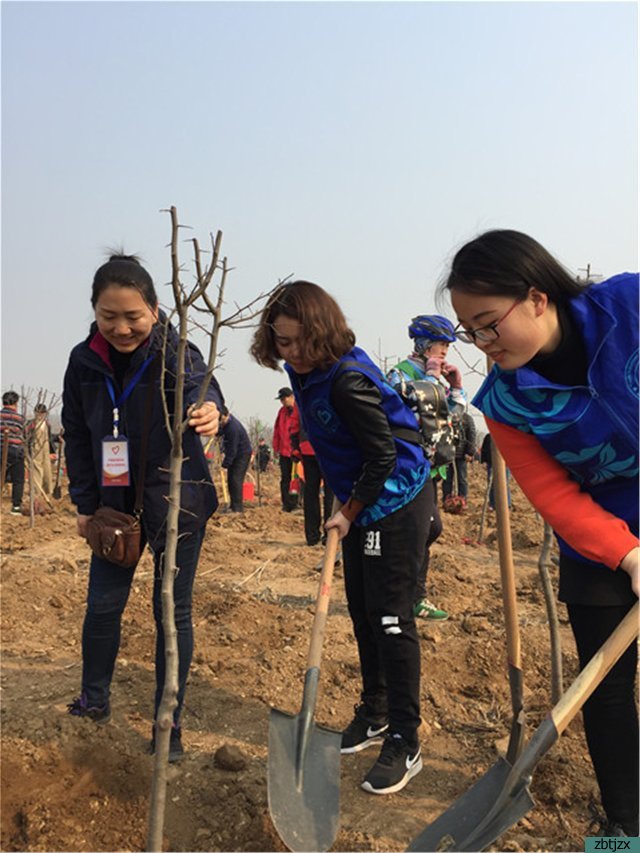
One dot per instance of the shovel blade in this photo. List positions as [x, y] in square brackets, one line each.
[303, 782]
[456, 829]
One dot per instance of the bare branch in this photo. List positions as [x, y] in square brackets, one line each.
[175, 263]
[472, 368]
[205, 280]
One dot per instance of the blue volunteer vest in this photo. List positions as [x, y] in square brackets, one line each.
[337, 449]
[592, 430]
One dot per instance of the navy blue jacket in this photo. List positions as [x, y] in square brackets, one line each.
[235, 442]
[87, 417]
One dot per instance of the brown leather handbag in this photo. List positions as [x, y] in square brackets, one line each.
[117, 536]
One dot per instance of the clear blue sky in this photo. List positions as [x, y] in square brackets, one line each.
[352, 144]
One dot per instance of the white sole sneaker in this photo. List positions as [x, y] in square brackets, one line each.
[376, 740]
[412, 771]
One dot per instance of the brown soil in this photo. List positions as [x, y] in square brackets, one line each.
[68, 784]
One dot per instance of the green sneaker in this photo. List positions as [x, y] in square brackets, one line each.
[426, 610]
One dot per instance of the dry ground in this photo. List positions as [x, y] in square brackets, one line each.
[70, 785]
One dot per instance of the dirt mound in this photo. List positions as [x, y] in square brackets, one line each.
[70, 785]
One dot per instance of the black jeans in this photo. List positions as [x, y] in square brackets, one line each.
[381, 562]
[435, 529]
[610, 714]
[461, 472]
[109, 587]
[313, 521]
[15, 474]
[235, 477]
[289, 502]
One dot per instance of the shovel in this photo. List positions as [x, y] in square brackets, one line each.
[501, 797]
[303, 781]
[507, 577]
[57, 491]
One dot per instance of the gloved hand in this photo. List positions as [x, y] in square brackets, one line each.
[296, 454]
[452, 374]
[434, 366]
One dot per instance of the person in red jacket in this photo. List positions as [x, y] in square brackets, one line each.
[313, 476]
[282, 446]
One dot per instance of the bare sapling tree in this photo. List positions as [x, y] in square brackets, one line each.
[196, 299]
[214, 450]
[36, 448]
[257, 430]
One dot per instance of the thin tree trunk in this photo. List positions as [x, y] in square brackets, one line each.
[176, 424]
[32, 496]
[552, 615]
[169, 701]
[485, 504]
[258, 484]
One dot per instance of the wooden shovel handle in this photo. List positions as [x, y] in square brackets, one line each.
[597, 668]
[505, 551]
[322, 599]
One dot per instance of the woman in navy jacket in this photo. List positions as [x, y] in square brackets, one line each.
[105, 393]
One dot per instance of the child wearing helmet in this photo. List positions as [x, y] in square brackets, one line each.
[431, 335]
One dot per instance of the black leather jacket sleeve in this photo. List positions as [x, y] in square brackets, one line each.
[359, 405]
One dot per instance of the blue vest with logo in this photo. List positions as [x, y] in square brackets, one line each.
[336, 447]
[592, 430]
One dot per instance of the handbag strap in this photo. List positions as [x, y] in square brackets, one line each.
[144, 444]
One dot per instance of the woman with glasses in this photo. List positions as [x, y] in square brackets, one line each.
[561, 403]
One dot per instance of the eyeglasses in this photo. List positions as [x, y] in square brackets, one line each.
[484, 333]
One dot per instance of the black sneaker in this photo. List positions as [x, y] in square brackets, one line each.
[176, 750]
[397, 763]
[362, 732]
[100, 714]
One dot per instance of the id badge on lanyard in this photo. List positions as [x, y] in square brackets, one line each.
[115, 461]
[115, 448]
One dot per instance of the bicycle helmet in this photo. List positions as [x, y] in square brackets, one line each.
[427, 328]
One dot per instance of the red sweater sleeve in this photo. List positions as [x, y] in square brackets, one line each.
[574, 515]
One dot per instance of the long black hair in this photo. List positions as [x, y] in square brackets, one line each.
[508, 263]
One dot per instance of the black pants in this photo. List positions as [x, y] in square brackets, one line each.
[435, 529]
[235, 476]
[381, 563]
[610, 715]
[461, 473]
[289, 501]
[313, 520]
[15, 474]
